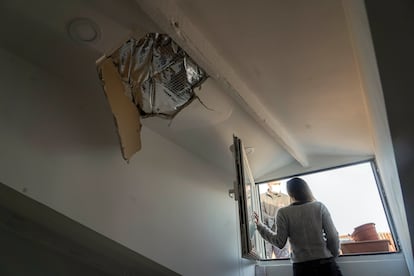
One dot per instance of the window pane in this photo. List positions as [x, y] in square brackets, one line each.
[248, 200]
[272, 198]
[351, 194]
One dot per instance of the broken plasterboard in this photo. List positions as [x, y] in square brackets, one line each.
[155, 76]
[126, 115]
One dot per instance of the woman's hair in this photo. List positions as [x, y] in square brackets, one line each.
[299, 189]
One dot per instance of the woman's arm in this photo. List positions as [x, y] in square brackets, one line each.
[277, 238]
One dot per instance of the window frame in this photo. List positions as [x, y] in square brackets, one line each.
[250, 247]
[381, 192]
[241, 165]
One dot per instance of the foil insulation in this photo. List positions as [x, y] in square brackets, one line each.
[158, 76]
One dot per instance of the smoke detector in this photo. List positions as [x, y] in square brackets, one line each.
[83, 30]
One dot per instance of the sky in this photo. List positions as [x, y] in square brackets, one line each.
[350, 194]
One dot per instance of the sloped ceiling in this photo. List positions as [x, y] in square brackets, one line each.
[283, 75]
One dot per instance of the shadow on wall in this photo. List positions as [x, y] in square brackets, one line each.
[37, 240]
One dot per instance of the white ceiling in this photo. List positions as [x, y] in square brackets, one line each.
[283, 75]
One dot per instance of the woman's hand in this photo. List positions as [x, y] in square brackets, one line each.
[256, 218]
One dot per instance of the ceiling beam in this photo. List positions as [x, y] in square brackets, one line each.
[179, 26]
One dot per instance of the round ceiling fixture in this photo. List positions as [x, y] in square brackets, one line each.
[83, 30]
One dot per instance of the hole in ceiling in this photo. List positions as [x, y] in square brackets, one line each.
[159, 76]
[151, 76]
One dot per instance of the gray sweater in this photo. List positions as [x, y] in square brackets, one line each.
[309, 227]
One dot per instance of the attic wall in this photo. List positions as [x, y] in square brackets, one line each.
[378, 99]
[392, 29]
[22, 257]
[165, 204]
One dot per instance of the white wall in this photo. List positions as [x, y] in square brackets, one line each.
[58, 145]
[165, 204]
[369, 74]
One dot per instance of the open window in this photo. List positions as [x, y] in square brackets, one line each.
[352, 193]
[246, 193]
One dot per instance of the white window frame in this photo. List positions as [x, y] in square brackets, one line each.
[247, 195]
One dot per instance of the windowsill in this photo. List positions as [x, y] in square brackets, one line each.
[383, 256]
[351, 258]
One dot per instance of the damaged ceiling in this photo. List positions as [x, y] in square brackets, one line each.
[146, 77]
[282, 74]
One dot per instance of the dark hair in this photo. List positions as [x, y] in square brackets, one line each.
[299, 189]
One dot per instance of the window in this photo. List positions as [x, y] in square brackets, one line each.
[352, 194]
[246, 193]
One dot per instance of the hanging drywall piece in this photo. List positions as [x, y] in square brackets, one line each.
[156, 76]
[126, 115]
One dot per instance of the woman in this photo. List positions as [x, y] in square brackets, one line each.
[312, 235]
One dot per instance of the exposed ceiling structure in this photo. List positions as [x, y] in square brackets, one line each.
[283, 74]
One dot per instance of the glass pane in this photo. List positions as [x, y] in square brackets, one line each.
[248, 199]
[272, 198]
[253, 205]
